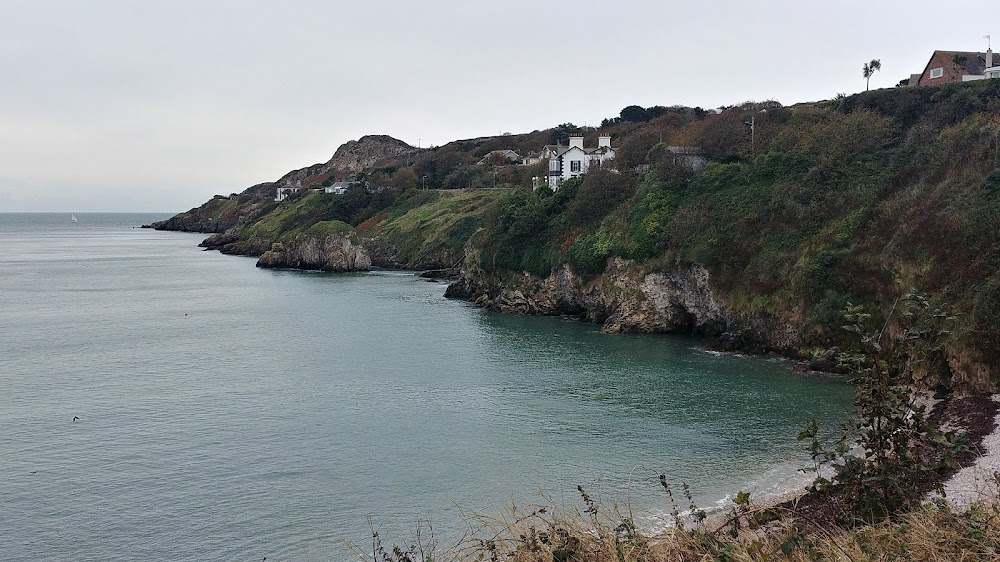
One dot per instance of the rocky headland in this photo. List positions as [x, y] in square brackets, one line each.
[858, 201]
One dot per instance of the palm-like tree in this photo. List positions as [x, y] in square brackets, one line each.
[869, 69]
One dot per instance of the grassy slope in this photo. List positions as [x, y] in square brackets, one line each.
[431, 222]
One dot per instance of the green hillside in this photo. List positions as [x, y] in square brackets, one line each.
[854, 200]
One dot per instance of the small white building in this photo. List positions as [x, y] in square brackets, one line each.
[567, 162]
[337, 188]
[284, 192]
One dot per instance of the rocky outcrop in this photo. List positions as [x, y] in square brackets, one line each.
[369, 150]
[327, 252]
[627, 299]
[349, 159]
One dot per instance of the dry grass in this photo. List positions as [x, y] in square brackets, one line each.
[935, 532]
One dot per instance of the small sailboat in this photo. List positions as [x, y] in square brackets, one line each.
[72, 218]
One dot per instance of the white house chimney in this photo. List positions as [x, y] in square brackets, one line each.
[989, 57]
[604, 141]
[576, 140]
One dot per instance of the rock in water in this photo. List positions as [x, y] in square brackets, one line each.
[325, 251]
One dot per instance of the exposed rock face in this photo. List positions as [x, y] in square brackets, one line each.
[355, 156]
[625, 299]
[329, 252]
[352, 157]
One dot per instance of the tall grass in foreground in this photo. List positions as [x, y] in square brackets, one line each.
[933, 532]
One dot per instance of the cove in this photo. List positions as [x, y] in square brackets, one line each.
[229, 412]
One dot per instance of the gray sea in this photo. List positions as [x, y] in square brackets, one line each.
[232, 413]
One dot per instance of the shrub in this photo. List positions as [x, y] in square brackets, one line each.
[649, 221]
[600, 192]
[589, 254]
[898, 448]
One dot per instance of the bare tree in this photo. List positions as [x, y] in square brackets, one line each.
[869, 69]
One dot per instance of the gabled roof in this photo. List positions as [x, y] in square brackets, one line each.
[966, 62]
[560, 150]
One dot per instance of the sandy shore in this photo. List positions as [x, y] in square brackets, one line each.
[978, 480]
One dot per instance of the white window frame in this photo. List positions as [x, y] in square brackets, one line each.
[575, 166]
[937, 72]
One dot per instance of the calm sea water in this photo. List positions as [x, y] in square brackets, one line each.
[231, 413]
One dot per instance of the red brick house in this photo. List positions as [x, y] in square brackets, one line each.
[957, 66]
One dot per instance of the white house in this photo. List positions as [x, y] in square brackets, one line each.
[567, 162]
[337, 188]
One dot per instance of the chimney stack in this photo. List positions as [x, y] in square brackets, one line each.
[989, 58]
[604, 141]
[576, 140]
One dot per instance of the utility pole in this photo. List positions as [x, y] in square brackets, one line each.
[753, 134]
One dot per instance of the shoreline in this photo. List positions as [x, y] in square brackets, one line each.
[981, 478]
[979, 417]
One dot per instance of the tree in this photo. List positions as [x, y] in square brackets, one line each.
[869, 69]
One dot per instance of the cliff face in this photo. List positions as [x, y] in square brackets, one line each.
[324, 252]
[625, 299]
[369, 150]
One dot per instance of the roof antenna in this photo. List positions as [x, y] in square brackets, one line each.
[989, 43]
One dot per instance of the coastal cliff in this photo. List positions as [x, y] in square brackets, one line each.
[854, 201]
[627, 299]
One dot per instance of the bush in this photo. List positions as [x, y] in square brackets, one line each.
[600, 193]
[898, 448]
[649, 221]
[589, 254]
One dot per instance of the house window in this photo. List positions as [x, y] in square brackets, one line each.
[937, 72]
[574, 165]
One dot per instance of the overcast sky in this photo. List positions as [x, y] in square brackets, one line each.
[149, 105]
